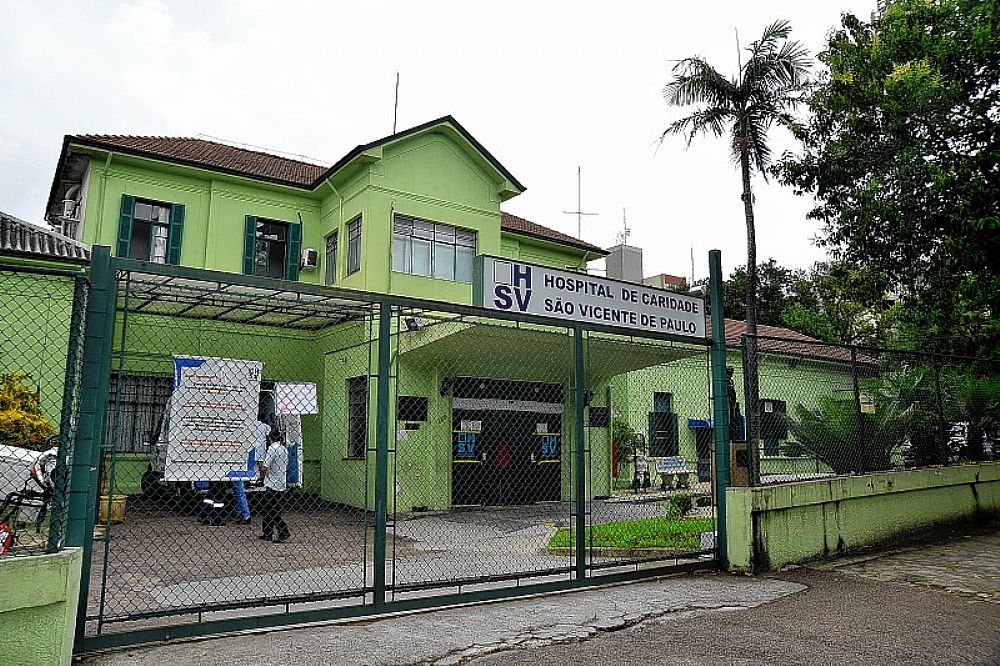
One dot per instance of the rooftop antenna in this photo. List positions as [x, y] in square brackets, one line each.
[579, 209]
[625, 232]
[395, 105]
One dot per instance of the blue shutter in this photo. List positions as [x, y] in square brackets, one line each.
[125, 226]
[293, 255]
[175, 235]
[250, 245]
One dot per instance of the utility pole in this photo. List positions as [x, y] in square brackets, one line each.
[579, 208]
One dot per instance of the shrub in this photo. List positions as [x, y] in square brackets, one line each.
[682, 504]
[834, 434]
[21, 420]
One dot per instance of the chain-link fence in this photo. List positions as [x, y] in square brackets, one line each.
[827, 410]
[275, 447]
[41, 331]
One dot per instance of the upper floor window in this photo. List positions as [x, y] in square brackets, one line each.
[272, 248]
[331, 258]
[150, 230]
[354, 245]
[437, 250]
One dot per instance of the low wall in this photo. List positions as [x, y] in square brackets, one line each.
[38, 597]
[771, 526]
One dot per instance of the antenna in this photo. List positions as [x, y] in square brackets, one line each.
[692, 266]
[579, 209]
[395, 105]
[625, 232]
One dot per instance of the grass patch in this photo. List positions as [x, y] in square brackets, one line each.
[661, 532]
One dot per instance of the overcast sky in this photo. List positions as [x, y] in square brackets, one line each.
[545, 86]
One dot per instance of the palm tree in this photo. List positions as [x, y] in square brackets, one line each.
[764, 93]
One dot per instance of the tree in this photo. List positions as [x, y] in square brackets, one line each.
[902, 153]
[764, 93]
[815, 301]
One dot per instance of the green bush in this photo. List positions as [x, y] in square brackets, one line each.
[21, 420]
[682, 504]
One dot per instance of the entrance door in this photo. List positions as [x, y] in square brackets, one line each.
[523, 459]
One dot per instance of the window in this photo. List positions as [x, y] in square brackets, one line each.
[150, 230]
[272, 248]
[663, 402]
[331, 258]
[150, 226]
[357, 417]
[138, 402]
[354, 245]
[436, 250]
[773, 425]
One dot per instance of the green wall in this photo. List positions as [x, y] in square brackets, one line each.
[795, 381]
[35, 319]
[771, 526]
[435, 175]
[38, 608]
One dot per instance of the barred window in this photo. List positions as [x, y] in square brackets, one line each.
[354, 245]
[138, 402]
[150, 229]
[357, 417]
[420, 247]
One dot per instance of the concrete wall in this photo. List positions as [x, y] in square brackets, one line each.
[38, 597]
[771, 526]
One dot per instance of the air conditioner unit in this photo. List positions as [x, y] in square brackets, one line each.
[310, 258]
[69, 208]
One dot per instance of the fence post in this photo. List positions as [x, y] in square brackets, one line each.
[579, 467]
[95, 373]
[381, 450]
[57, 527]
[859, 429]
[720, 401]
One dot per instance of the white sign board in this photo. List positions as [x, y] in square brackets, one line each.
[295, 398]
[213, 413]
[516, 286]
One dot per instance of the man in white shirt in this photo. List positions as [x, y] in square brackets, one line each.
[274, 476]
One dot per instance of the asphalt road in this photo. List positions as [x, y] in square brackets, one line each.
[839, 619]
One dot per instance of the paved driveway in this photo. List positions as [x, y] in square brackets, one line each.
[925, 605]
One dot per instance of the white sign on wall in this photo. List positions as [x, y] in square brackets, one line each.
[516, 286]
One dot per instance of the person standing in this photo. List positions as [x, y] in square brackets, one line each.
[274, 476]
[254, 459]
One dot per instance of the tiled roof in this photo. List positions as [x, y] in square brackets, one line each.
[213, 155]
[285, 170]
[778, 340]
[519, 225]
[24, 238]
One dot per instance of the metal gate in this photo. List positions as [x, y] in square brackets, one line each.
[577, 440]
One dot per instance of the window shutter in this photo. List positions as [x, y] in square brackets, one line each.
[293, 256]
[125, 226]
[175, 235]
[250, 245]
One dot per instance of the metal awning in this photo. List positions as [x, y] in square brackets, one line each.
[170, 296]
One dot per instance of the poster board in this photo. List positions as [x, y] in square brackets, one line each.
[213, 412]
[295, 398]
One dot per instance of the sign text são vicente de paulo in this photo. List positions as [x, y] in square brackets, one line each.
[516, 286]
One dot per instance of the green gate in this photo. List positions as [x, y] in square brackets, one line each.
[442, 454]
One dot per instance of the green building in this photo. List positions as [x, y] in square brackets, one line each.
[405, 215]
